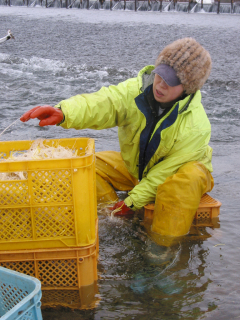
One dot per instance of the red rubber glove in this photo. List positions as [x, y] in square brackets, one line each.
[48, 115]
[123, 209]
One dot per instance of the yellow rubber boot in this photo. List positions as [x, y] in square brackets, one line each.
[178, 198]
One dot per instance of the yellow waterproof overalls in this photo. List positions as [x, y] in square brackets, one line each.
[177, 199]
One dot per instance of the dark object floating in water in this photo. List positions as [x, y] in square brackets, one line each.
[7, 37]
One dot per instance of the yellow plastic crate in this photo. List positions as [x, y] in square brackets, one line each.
[55, 206]
[72, 268]
[208, 209]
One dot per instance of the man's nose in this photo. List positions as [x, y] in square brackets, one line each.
[163, 84]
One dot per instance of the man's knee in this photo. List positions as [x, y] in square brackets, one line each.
[178, 198]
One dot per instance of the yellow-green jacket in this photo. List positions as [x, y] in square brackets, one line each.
[181, 136]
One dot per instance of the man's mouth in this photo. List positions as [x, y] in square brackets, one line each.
[159, 93]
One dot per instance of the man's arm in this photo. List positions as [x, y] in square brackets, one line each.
[103, 109]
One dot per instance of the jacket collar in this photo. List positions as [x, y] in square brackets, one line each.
[147, 105]
[148, 147]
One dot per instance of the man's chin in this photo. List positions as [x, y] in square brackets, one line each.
[160, 99]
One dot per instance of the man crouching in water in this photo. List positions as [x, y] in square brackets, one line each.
[163, 133]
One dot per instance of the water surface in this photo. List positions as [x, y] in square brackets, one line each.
[59, 53]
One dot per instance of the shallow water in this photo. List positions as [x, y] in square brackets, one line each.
[59, 53]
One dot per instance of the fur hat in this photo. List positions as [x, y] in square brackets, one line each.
[190, 60]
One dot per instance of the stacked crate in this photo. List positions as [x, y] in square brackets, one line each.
[48, 220]
[207, 212]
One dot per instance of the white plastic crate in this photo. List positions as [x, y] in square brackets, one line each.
[20, 296]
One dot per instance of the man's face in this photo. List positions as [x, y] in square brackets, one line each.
[163, 92]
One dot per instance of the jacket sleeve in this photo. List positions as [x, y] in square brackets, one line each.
[184, 150]
[103, 109]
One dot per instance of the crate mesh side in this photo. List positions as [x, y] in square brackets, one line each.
[51, 186]
[69, 298]
[10, 296]
[51, 273]
[14, 193]
[15, 223]
[58, 273]
[30, 315]
[54, 222]
[26, 267]
[204, 214]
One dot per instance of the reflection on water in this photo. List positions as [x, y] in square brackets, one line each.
[86, 297]
[143, 279]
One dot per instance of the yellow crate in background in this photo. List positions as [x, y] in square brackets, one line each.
[209, 208]
[55, 206]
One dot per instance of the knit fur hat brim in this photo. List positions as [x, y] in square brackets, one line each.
[191, 62]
